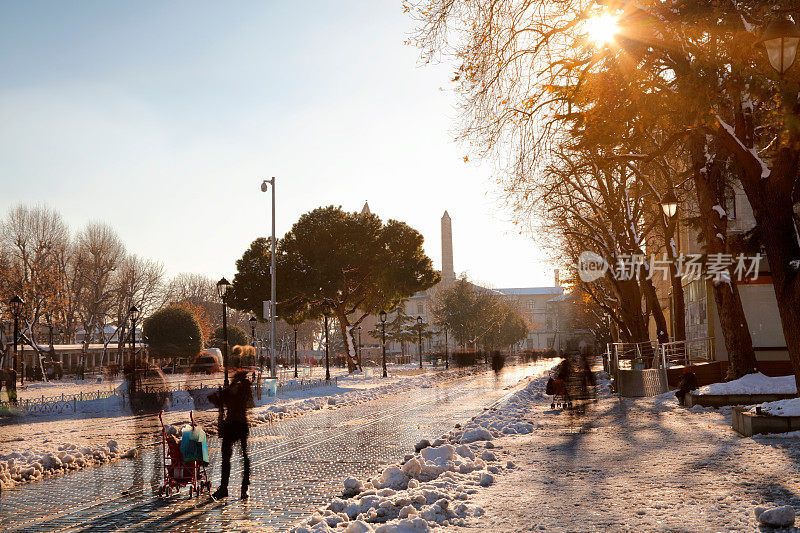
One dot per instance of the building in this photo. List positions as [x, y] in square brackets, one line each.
[758, 297]
[542, 306]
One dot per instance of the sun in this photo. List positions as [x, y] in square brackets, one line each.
[601, 29]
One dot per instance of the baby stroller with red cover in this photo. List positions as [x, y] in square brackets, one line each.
[185, 461]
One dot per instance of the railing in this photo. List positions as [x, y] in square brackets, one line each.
[688, 352]
[305, 384]
[196, 396]
[634, 355]
[58, 404]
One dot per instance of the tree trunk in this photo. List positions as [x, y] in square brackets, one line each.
[772, 196]
[710, 188]
[649, 291]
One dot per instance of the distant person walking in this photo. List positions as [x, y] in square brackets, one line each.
[11, 386]
[235, 399]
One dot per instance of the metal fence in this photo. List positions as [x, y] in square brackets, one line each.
[196, 395]
[305, 384]
[634, 355]
[688, 352]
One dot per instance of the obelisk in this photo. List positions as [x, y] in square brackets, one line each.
[448, 274]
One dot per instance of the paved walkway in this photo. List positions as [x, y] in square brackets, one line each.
[634, 465]
[297, 466]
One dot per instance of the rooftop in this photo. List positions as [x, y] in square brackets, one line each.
[531, 291]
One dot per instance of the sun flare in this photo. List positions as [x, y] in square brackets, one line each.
[601, 29]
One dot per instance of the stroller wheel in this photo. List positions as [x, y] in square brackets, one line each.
[553, 405]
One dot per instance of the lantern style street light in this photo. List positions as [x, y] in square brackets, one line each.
[359, 347]
[16, 303]
[295, 349]
[446, 351]
[383, 340]
[134, 313]
[223, 286]
[253, 320]
[419, 334]
[272, 277]
[669, 204]
[781, 38]
[327, 359]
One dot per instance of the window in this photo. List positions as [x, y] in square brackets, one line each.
[549, 323]
[730, 202]
[420, 308]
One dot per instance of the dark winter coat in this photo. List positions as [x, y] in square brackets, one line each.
[237, 398]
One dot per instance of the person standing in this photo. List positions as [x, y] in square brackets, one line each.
[235, 399]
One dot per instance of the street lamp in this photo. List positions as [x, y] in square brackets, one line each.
[134, 312]
[17, 304]
[446, 351]
[359, 348]
[327, 359]
[295, 350]
[781, 38]
[669, 204]
[272, 275]
[223, 286]
[383, 340]
[419, 333]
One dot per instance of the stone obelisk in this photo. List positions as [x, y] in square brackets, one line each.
[448, 274]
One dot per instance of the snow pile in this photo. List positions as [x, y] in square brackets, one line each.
[430, 487]
[756, 383]
[790, 407]
[16, 468]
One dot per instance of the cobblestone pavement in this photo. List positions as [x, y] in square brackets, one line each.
[297, 465]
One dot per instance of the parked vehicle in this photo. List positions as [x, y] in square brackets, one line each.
[208, 361]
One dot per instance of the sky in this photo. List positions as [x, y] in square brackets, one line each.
[162, 119]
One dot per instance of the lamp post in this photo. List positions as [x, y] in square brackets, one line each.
[223, 286]
[446, 351]
[781, 38]
[16, 309]
[252, 321]
[669, 205]
[134, 312]
[419, 338]
[327, 359]
[383, 340]
[359, 347]
[295, 350]
[272, 276]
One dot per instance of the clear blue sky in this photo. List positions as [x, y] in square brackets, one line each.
[162, 118]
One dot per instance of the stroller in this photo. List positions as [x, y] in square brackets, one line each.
[557, 388]
[185, 461]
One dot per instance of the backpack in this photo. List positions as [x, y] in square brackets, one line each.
[548, 389]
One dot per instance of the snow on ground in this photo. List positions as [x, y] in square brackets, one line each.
[644, 464]
[789, 407]
[756, 383]
[432, 486]
[34, 446]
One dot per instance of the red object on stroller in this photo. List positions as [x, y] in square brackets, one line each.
[177, 472]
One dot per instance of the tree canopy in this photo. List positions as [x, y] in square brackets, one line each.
[236, 337]
[351, 264]
[478, 316]
[173, 332]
